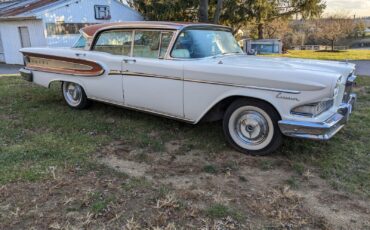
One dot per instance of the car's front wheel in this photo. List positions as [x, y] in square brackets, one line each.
[75, 96]
[251, 127]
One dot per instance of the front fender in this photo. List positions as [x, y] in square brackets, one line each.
[282, 102]
[199, 99]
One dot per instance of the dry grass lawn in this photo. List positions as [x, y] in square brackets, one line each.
[339, 56]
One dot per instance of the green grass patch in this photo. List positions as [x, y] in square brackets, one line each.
[218, 211]
[266, 164]
[298, 167]
[136, 183]
[211, 169]
[340, 56]
[293, 182]
[99, 203]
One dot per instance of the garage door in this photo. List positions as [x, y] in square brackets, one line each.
[2, 57]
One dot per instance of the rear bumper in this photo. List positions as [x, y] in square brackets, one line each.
[323, 130]
[26, 74]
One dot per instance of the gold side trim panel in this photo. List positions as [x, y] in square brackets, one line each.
[62, 65]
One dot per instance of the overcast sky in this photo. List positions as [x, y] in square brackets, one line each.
[358, 7]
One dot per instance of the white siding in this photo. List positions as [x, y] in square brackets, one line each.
[11, 39]
[2, 58]
[82, 11]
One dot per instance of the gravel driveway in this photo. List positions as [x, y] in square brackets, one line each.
[363, 68]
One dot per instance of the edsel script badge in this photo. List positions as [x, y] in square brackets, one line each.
[285, 97]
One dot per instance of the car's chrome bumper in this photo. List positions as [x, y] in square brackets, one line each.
[323, 130]
[26, 74]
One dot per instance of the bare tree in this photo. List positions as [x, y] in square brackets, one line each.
[277, 29]
[334, 28]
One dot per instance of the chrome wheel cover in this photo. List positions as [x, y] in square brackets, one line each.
[251, 128]
[72, 93]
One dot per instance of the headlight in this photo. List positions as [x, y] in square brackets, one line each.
[313, 109]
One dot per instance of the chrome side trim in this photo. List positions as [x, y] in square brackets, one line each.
[144, 110]
[133, 74]
[151, 75]
[117, 72]
[243, 86]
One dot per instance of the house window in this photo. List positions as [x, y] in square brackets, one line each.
[65, 28]
[102, 12]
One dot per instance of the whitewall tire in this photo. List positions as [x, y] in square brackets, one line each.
[75, 96]
[251, 127]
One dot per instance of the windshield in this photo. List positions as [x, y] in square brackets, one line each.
[198, 43]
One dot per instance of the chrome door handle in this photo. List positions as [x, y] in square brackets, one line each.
[129, 60]
[80, 54]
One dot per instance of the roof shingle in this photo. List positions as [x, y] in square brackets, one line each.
[18, 7]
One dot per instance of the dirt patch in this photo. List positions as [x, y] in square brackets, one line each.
[131, 168]
[342, 211]
[94, 200]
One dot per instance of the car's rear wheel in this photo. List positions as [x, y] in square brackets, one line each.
[251, 127]
[75, 96]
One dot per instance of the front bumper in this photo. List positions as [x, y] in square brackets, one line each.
[323, 130]
[26, 74]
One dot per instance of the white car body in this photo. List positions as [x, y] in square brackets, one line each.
[187, 89]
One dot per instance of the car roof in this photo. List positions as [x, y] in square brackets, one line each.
[90, 31]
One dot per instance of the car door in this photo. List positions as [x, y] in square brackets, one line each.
[110, 48]
[151, 82]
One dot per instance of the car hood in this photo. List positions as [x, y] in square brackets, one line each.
[270, 72]
[340, 68]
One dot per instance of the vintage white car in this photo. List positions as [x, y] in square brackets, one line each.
[197, 72]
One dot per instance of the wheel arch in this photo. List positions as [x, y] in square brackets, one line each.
[61, 80]
[217, 110]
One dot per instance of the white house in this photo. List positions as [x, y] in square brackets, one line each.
[26, 23]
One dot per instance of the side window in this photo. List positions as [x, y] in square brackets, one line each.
[81, 43]
[183, 46]
[166, 39]
[114, 42]
[147, 44]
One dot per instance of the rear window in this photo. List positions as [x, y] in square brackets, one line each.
[114, 42]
